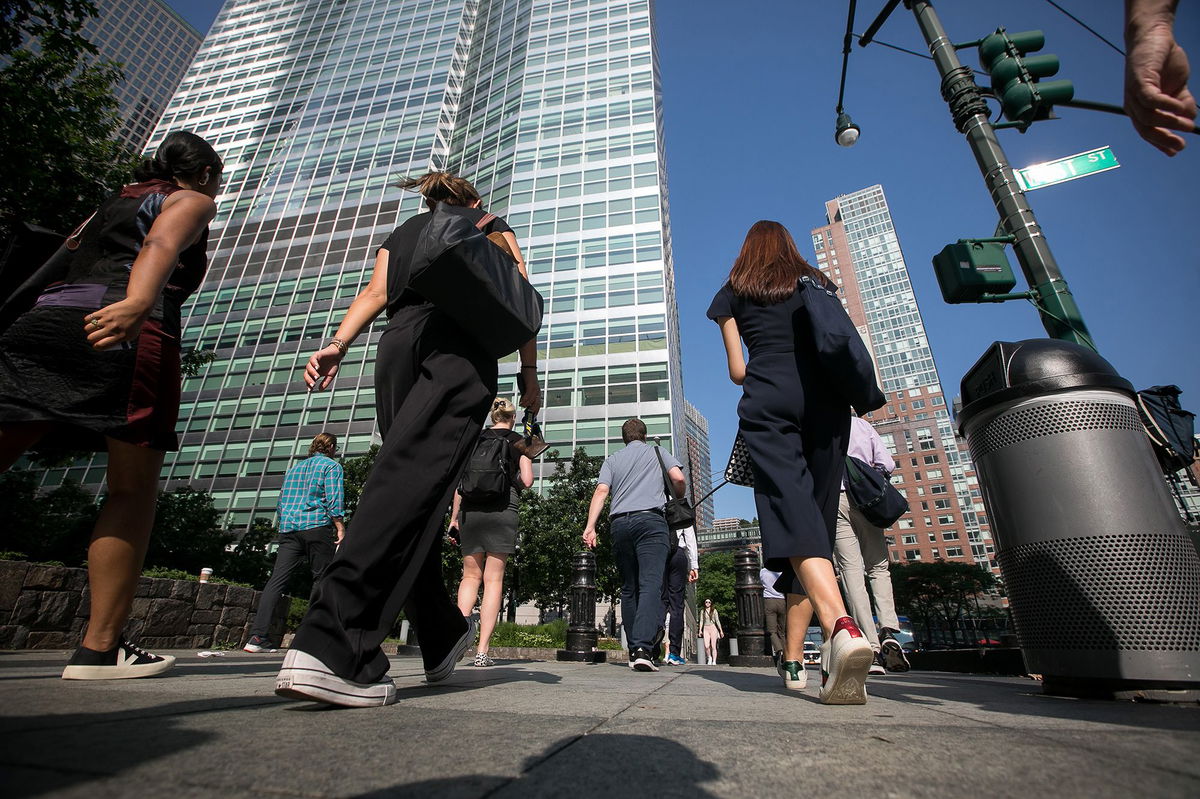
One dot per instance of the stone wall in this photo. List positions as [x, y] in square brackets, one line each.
[46, 607]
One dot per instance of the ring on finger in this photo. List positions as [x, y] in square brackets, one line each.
[96, 323]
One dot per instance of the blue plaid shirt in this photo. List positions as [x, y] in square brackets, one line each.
[311, 495]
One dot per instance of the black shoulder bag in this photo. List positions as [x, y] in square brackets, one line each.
[872, 494]
[678, 510]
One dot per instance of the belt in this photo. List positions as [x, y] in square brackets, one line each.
[657, 511]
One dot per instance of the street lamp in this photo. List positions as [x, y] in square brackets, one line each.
[847, 132]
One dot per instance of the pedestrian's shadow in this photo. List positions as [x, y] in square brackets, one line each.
[600, 764]
[468, 678]
[749, 681]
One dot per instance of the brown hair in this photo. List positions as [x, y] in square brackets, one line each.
[442, 187]
[324, 443]
[767, 268]
[633, 430]
[503, 411]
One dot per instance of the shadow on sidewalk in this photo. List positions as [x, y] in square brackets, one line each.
[586, 765]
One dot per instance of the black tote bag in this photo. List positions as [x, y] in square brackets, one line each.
[678, 510]
[840, 350]
[872, 494]
[475, 283]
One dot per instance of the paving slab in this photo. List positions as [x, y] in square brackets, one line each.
[213, 727]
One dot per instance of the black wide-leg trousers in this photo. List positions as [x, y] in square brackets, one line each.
[433, 388]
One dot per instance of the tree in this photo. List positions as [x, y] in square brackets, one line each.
[57, 118]
[187, 532]
[250, 560]
[718, 582]
[355, 471]
[51, 526]
[939, 590]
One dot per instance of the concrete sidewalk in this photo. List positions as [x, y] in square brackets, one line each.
[215, 728]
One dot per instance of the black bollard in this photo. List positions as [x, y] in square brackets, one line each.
[751, 636]
[581, 610]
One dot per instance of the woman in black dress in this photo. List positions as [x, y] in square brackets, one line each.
[434, 385]
[488, 535]
[795, 419]
[95, 364]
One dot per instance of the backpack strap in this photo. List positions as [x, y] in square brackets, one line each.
[485, 220]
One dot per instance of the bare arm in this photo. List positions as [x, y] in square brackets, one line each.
[677, 481]
[597, 505]
[183, 218]
[733, 349]
[323, 365]
[526, 472]
[1156, 75]
[455, 509]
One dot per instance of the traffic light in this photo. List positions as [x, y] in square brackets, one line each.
[1015, 76]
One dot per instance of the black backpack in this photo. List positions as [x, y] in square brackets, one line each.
[487, 480]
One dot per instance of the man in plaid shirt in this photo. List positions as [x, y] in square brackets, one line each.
[310, 526]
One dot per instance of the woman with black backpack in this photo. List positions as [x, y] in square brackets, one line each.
[483, 519]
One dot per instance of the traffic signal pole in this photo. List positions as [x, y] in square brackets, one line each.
[1056, 306]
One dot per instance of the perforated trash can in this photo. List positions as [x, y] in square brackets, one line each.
[1103, 579]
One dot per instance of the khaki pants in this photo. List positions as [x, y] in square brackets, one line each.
[861, 553]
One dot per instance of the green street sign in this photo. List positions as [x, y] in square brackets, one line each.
[1063, 169]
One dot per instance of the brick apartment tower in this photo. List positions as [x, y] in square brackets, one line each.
[859, 250]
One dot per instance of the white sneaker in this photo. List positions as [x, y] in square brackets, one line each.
[845, 659]
[123, 662]
[305, 677]
[795, 676]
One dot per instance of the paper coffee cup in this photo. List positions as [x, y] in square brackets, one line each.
[205, 573]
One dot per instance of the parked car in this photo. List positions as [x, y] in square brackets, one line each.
[812, 653]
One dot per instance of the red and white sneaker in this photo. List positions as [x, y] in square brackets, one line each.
[845, 659]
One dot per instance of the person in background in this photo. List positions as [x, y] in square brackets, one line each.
[488, 534]
[310, 526]
[860, 553]
[640, 537]
[710, 630]
[806, 365]
[774, 612]
[95, 364]
[434, 384]
[1157, 98]
[683, 567]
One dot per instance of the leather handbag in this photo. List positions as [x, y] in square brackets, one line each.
[678, 510]
[840, 350]
[871, 492]
[739, 471]
[475, 283]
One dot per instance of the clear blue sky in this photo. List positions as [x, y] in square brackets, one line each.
[749, 91]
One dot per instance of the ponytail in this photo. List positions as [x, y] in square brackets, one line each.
[442, 187]
[181, 154]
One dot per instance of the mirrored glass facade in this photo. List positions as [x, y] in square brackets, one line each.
[551, 107]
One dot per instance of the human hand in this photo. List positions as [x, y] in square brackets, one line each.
[693, 575]
[589, 538]
[531, 392]
[321, 367]
[1156, 93]
[452, 533]
[117, 323]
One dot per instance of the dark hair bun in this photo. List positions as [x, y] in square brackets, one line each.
[181, 154]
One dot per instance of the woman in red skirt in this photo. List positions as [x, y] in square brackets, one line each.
[96, 364]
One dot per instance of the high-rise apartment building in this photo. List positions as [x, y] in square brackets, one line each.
[699, 461]
[860, 251]
[154, 46]
[549, 106]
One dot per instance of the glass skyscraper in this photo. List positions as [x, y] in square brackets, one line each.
[551, 107]
[860, 251]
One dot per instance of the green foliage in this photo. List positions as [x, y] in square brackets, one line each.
[10, 555]
[195, 359]
[551, 534]
[55, 24]
[718, 582]
[159, 572]
[187, 533]
[552, 635]
[54, 525]
[938, 590]
[296, 611]
[356, 471]
[250, 562]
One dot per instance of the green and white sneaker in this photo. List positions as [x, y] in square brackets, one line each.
[795, 676]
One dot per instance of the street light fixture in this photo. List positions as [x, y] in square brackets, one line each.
[847, 132]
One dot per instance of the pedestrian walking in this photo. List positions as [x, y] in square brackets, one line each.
[434, 384]
[683, 567]
[710, 630]
[861, 553]
[640, 536]
[774, 611]
[483, 519]
[806, 367]
[310, 527]
[95, 364]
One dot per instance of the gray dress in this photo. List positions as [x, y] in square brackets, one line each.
[493, 529]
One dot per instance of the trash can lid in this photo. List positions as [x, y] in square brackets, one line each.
[1012, 370]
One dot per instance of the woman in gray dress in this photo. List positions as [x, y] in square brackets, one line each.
[488, 535]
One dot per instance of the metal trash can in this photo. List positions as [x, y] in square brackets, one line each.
[1103, 579]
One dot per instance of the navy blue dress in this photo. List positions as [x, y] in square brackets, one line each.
[795, 418]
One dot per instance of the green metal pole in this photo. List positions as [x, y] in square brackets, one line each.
[1060, 315]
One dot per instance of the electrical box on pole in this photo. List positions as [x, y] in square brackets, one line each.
[1016, 83]
[971, 270]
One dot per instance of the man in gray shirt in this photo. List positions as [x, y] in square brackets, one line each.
[640, 537]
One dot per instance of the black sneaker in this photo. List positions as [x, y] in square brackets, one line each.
[894, 658]
[123, 662]
[656, 646]
[437, 670]
[258, 643]
[876, 668]
[640, 660]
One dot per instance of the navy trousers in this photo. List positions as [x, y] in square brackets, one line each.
[640, 547]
